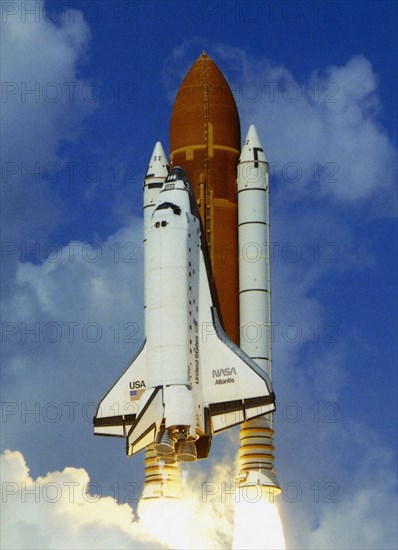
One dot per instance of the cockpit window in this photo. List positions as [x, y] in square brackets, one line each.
[176, 209]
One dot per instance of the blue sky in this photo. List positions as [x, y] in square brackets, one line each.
[319, 81]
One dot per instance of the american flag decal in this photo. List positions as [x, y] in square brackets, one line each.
[135, 394]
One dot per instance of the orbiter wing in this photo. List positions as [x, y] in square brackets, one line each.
[118, 409]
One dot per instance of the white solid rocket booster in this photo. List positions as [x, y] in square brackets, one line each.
[256, 436]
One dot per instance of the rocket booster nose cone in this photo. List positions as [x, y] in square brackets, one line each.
[158, 165]
[252, 134]
[252, 148]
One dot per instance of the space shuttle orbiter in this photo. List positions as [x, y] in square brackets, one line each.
[189, 380]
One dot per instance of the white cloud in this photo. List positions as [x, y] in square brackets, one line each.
[40, 63]
[340, 489]
[328, 126]
[81, 300]
[64, 509]
[365, 521]
[87, 322]
[57, 510]
[93, 277]
[44, 101]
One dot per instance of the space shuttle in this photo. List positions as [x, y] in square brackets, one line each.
[189, 380]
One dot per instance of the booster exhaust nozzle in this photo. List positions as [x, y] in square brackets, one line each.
[186, 451]
[164, 444]
[264, 478]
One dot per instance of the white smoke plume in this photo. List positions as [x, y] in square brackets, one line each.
[62, 510]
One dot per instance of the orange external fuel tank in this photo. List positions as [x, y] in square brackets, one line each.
[205, 142]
